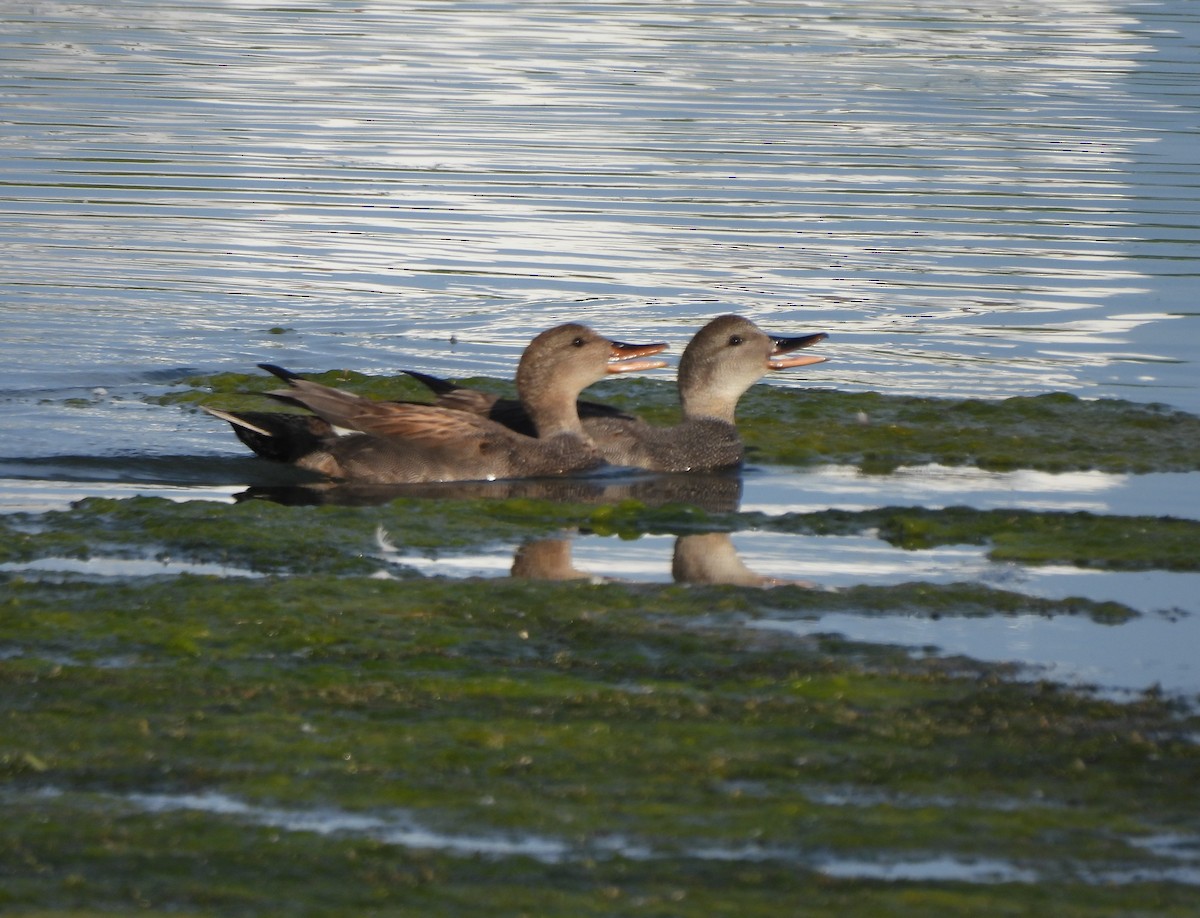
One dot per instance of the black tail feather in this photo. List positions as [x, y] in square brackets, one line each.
[435, 384]
[285, 375]
[275, 435]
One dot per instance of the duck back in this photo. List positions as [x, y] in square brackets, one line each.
[695, 444]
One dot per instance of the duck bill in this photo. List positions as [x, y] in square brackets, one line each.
[629, 358]
[783, 346]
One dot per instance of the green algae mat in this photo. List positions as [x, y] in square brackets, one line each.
[633, 762]
[312, 737]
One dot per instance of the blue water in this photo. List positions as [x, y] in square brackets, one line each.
[971, 200]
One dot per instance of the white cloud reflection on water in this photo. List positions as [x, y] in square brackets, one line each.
[774, 491]
[1173, 858]
[1141, 654]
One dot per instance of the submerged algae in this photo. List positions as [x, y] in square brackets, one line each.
[229, 867]
[874, 431]
[569, 711]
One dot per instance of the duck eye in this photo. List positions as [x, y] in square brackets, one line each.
[578, 342]
[735, 340]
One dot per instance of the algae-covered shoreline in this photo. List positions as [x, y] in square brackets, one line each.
[312, 738]
[604, 719]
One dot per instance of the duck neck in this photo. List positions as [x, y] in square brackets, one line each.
[552, 417]
[552, 408]
[703, 401]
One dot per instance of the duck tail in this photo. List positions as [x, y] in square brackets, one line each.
[285, 375]
[277, 436]
[434, 384]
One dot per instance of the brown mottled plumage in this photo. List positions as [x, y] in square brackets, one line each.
[724, 359]
[401, 442]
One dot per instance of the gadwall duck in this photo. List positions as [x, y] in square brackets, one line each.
[724, 359]
[403, 442]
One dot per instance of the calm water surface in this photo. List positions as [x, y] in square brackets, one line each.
[973, 199]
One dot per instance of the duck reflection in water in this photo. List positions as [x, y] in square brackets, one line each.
[715, 492]
[702, 558]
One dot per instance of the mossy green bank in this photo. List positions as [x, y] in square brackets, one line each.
[678, 764]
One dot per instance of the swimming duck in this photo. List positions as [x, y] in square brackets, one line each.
[723, 359]
[402, 442]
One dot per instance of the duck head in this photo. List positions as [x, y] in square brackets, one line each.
[729, 355]
[560, 363]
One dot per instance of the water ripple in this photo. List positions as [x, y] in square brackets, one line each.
[973, 199]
